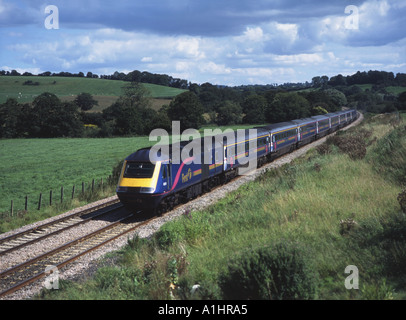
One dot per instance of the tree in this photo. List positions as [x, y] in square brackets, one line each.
[131, 113]
[337, 97]
[209, 96]
[254, 108]
[318, 82]
[137, 95]
[229, 113]
[401, 105]
[85, 101]
[287, 106]
[13, 119]
[52, 118]
[187, 109]
[338, 80]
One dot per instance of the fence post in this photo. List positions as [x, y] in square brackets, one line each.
[50, 198]
[83, 187]
[92, 185]
[61, 194]
[101, 184]
[12, 207]
[39, 202]
[26, 203]
[73, 191]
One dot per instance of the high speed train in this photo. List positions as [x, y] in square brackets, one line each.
[156, 183]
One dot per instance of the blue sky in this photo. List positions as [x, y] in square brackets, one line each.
[217, 41]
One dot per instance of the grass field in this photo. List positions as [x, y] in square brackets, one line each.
[66, 88]
[31, 166]
[329, 210]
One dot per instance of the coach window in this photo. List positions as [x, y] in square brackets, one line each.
[164, 172]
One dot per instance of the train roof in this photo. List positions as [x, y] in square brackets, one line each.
[304, 121]
[141, 155]
[162, 152]
[332, 114]
[321, 117]
[280, 126]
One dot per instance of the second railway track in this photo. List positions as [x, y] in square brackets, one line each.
[25, 273]
[41, 232]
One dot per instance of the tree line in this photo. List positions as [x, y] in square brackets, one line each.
[133, 76]
[47, 116]
[366, 77]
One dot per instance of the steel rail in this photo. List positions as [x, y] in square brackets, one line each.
[22, 236]
[80, 241]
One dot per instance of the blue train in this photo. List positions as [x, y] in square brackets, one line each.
[154, 182]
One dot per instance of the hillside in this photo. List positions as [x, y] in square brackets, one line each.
[26, 88]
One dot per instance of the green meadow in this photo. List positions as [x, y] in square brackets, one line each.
[67, 87]
[34, 166]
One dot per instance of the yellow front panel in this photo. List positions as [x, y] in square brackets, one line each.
[141, 182]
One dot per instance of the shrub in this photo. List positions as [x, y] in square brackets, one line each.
[347, 225]
[377, 291]
[354, 146]
[282, 271]
[402, 200]
[323, 149]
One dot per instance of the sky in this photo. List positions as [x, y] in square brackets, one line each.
[225, 42]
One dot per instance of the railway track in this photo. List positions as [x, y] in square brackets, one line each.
[43, 231]
[30, 271]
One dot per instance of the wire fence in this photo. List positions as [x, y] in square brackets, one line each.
[54, 197]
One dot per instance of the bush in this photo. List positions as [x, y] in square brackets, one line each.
[354, 146]
[402, 200]
[323, 149]
[282, 271]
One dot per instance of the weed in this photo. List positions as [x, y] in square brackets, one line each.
[323, 149]
[354, 146]
[348, 225]
[377, 291]
[278, 272]
[402, 200]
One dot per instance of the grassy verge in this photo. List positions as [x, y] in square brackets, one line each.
[290, 234]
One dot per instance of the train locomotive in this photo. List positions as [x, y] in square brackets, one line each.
[155, 183]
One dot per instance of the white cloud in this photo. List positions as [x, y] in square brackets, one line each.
[301, 59]
[189, 46]
[286, 47]
[254, 34]
[290, 31]
[213, 68]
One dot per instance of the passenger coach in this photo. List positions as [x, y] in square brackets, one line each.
[158, 182]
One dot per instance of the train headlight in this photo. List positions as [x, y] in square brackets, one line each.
[121, 189]
[147, 190]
